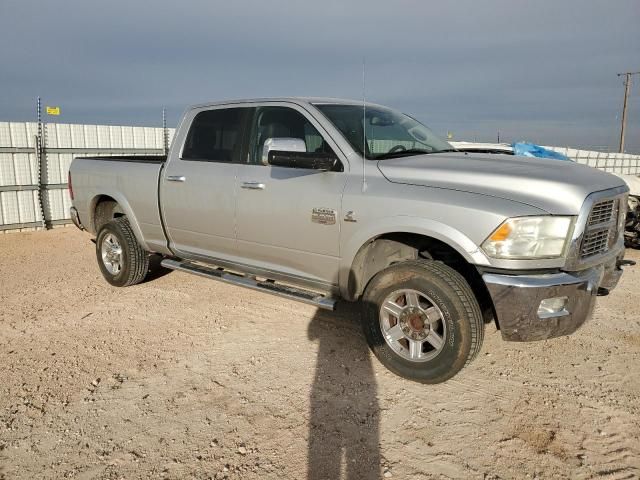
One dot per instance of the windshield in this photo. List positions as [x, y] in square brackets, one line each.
[389, 134]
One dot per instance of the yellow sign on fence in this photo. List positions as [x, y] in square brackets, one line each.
[53, 110]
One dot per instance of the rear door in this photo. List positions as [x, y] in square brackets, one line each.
[288, 219]
[199, 184]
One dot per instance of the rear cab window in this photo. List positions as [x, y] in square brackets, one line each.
[216, 135]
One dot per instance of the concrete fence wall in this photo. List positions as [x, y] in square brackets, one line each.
[34, 164]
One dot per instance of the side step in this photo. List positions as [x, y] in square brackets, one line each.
[267, 286]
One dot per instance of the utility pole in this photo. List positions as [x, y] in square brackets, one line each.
[627, 85]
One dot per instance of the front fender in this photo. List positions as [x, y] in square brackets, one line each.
[406, 224]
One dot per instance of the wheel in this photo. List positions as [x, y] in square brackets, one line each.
[122, 260]
[422, 320]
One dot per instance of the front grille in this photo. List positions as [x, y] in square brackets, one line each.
[601, 212]
[600, 233]
[595, 243]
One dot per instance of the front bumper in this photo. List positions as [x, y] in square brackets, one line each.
[516, 299]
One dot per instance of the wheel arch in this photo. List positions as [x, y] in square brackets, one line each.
[107, 206]
[389, 247]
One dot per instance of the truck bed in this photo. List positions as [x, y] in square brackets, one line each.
[132, 182]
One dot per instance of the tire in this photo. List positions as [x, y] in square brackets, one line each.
[128, 267]
[437, 328]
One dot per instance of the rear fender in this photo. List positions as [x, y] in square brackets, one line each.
[126, 210]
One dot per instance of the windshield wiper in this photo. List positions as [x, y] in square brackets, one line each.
[401, 153]
[409, 152]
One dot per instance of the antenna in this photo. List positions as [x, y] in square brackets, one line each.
[364, 128]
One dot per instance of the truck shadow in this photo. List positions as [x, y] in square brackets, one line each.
[344, 410]
[155, 269]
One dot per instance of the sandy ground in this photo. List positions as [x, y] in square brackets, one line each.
[183, 377]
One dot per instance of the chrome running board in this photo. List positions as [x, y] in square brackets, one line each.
[267, 286]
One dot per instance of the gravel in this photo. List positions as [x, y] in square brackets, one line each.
[182, 377]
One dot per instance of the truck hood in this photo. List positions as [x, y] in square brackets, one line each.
[557, 187]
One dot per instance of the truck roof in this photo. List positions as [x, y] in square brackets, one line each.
[299, 100]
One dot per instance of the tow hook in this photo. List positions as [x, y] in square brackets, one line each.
[625, 263]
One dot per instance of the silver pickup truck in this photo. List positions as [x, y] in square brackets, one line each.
[321, 199]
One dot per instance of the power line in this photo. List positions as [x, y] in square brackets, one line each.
[627, 86]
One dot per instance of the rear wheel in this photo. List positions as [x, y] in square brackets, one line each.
[121, 259]
[422, 320]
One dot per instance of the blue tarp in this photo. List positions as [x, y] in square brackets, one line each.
[530, 150]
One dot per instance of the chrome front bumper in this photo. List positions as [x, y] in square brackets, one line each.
[517, 298]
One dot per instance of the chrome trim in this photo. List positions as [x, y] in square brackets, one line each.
[516, 300]
[176, 178]
[253, 185]
[323, 215]
[532, 281]
[574, 262]
[304, 296]
[282, 144]
[612, 273]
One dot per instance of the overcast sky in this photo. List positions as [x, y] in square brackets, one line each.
[543, 71]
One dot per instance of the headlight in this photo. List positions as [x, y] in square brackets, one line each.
[529, 237]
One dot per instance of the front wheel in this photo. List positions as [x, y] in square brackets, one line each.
[422, 320]
[122, 260]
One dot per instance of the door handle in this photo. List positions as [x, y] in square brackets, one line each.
[253, 185]
[176, 178]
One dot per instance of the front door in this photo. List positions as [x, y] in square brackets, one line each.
[199, 183]
[288, 219]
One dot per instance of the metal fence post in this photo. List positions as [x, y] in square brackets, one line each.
[41, 159]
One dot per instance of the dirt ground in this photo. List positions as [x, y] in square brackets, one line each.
[183, 377]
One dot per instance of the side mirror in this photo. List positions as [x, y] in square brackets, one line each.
[284, 144]
[292, 153]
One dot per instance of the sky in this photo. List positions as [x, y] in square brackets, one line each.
[542, 71]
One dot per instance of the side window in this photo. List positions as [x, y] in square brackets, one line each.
[215, 136]
[279, 122]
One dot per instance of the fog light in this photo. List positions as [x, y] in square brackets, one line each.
[553, 307]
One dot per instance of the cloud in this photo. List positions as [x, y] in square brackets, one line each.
[543, 71]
